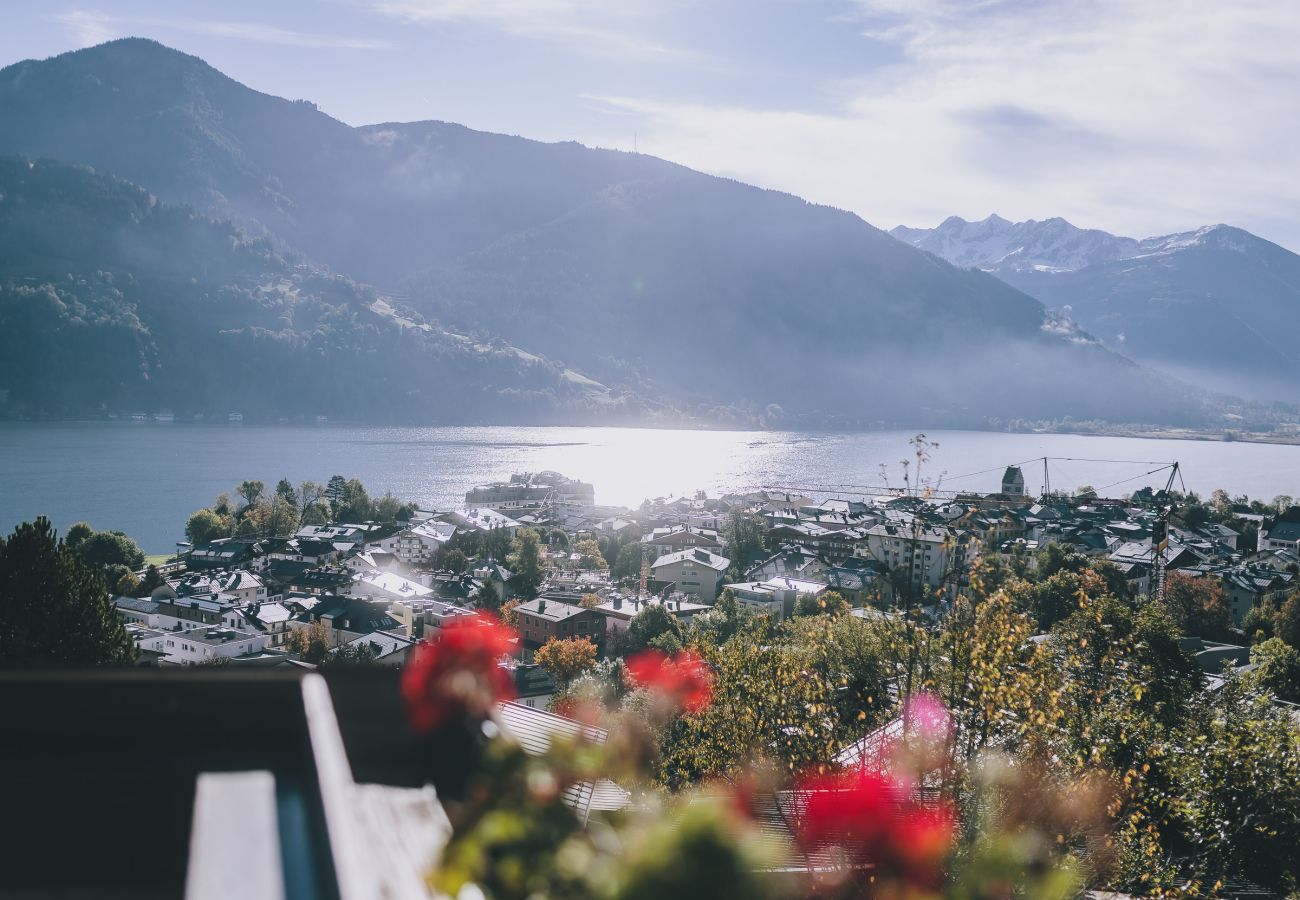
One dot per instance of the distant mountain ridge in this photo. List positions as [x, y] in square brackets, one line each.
[112, 302]
[1216, 305]
[653, 281]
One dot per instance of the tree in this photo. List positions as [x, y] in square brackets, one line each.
[283, 517]
[1197, 605]
[487, 596]
[496, 543]
[1286, 624]
[589, 553]
[349, 656]
[354, 504]
[526, 563]
[509, 613]
[309, 494]
[251, 491]
[454, 560]
[315, 514]
[310, 643]
[743, 537]
[76, 534]
[108, 548]
[205, 525]
[650, 623]
[54, 609]
[120, 580]
[255, 520]
[628, 562]
[830, 603]
[284, 489]
[1239, 781]
[335, 488]
[152, 580]
[590, 601]
[387, 508]
[566, 659]
[1277, 669]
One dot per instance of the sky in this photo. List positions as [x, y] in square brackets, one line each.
[1139, 118]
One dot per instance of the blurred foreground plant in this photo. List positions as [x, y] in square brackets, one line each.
[889, 826]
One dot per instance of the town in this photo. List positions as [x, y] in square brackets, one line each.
[539, 551]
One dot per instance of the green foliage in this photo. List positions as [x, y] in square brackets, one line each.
[206, 525]
[487, 597]
[1239, 797]
[54, 608]
[110, 548]
[566, 659]
[743, 537]
[1198, 605]
[1277, 669]
[311, 644]
[653, 621]
[454, 560]
[829, 603]
[628, 562]
[525, 564]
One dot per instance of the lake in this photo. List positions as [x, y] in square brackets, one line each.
[146, 478]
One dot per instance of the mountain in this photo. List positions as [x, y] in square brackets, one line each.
[1218, 305]
[739, 304]
[111, 300]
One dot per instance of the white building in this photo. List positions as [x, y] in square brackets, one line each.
[379, 585]
[203, 645]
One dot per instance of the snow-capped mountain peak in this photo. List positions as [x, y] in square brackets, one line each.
[996, 244]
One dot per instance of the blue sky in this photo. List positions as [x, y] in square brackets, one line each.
[1139, 118]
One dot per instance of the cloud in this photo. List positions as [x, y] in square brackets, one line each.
[615, 28]
[1139, 118]
[90, 27]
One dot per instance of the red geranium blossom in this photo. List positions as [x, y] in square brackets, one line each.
[686, 678]
[457, 675]
[869, 817]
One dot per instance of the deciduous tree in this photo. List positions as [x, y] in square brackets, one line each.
[566, 659]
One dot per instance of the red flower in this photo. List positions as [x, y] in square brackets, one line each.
[852, 810]
[869, 816]
[457, 675]
[686, 678]
[924, 836]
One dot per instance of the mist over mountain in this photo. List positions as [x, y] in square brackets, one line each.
[734, 303]
[113, 301]
[1218, 306]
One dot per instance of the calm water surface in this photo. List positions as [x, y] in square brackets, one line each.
[146, 478]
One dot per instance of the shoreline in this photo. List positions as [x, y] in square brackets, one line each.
[1226, 436]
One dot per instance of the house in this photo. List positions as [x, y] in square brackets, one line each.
[271, 619]
[775, 596]
[791, 559]
[223, 553]
[346, 618]
[420, 544]
[242, 584]
[386, 648]
[477, 518]
[388, 586]
[150, 649]
[137, 611]
[619, 611]
[541, 620]
[695, 572]
[676, 538]
[424, 618]
[204, 645]
[1283, 533]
